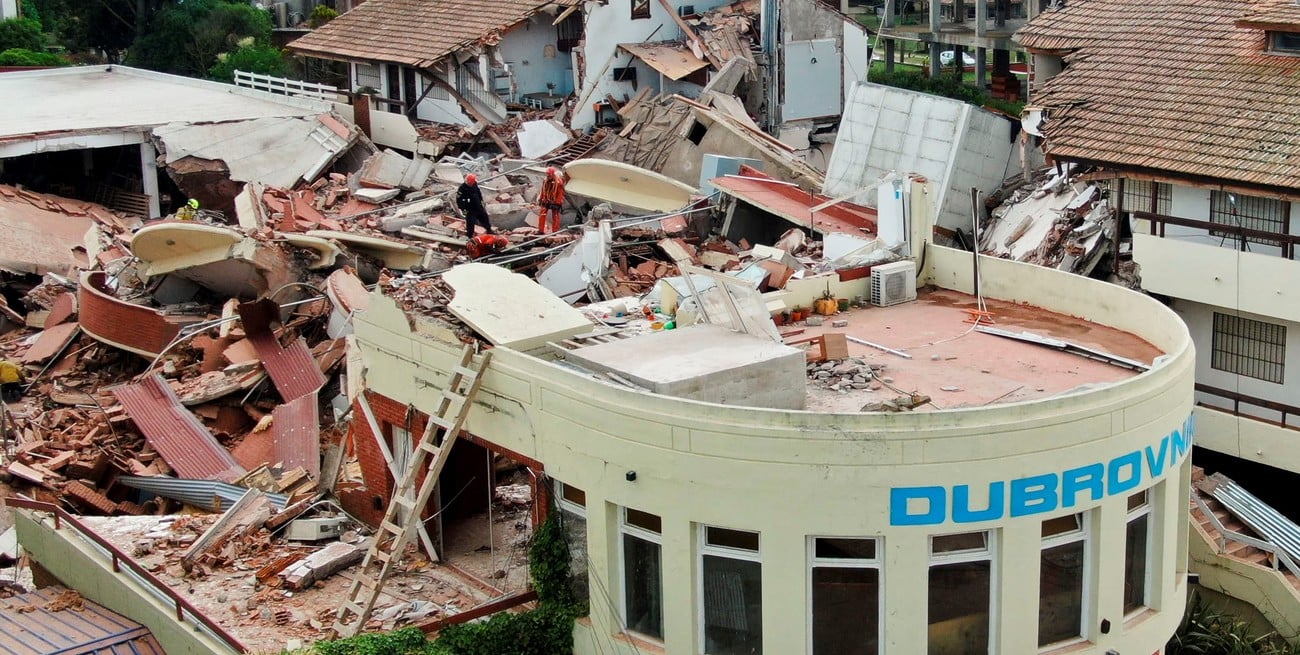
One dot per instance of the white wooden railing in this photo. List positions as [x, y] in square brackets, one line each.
[286, 87]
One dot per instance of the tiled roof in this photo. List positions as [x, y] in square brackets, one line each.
[414, 32]
[1271, 14]
[1171, 86]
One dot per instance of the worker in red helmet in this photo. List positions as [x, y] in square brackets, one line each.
[470, 201]
[551, 200]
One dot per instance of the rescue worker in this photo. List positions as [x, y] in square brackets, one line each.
[551, 200]
[485, 244]
[11, 381]
[189, 211]
[469, 198]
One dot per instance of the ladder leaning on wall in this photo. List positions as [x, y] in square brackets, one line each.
[402, 517]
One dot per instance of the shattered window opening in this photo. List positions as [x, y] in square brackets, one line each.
[1248, 347]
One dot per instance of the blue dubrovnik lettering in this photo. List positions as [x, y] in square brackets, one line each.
[1038, 494]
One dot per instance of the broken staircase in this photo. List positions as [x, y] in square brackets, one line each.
[402, 519]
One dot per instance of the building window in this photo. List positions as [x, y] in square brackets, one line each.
[643, 595]
[1286, 43]
[1249, 212]
[1061, 579]
[961, 574]
[1148, 196]
[845, 596]
[1137, 552]
[573, 520]
[1248, 347]
[640, 9]
[568, 34]
[731, 592]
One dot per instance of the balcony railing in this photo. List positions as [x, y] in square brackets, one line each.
[121, 559]
[1290, 414]
[1287, 242]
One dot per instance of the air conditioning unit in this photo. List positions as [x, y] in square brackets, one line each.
[686, 10]
[316, 529]
[893, 283]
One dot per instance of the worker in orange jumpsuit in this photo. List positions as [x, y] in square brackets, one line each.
[551, 201]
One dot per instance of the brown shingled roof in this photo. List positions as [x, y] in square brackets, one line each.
[417, 33]
[1172, 86]
[1272, 14]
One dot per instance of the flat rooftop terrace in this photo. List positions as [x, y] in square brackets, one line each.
[958, 366]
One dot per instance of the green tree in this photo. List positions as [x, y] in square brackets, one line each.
[24, 33]
[251, 58]
[186, 38]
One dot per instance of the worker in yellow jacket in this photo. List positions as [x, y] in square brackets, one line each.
[11, 381]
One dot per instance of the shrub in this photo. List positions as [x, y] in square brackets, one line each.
[250, 58]
[22, 33]
[321, 15]
[1206, 631]
[24, 57]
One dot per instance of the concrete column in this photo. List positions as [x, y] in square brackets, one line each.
[1106, 566]
[890, 47]
[149, 175]
[981, 18]
[681, 616]
[981, 71]
[1015, 596]
[934, 58]
[906, 587]
[936, 17]
[887, 20]
[603, 569]
[785, 591]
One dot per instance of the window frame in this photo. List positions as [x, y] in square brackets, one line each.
[1144, 512]
[644, 534]
[1273, 48]
[877, 563]
[705, 548]
[1158, 196]
[989, 553]
[1081, 533]
[1241, 208]
[1248, 363]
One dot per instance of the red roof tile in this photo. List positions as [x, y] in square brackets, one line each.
[1172, 86]
[414, 32]
[175, 433]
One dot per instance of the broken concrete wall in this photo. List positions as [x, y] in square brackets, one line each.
[953, 144]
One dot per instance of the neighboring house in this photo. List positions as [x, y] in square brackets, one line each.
[1191, 109]
[955, 26]
[453, 61]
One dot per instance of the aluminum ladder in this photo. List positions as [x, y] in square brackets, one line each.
[402, 516]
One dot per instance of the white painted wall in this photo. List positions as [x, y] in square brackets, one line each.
[1200, 324]
[532, 63]
[856, 63]
[955, 145]
[608, 25]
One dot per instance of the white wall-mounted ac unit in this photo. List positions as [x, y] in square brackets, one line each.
[686, 10]
[316, 529]
[893, 283]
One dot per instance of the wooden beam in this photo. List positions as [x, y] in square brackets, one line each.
[691, 36]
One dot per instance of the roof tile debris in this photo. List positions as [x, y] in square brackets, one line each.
[1174, 86]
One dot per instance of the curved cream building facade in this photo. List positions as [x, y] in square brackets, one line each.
[1053, 525]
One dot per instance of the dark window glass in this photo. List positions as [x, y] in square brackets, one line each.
[845, 611]
[1060, 593]
[1135, 563]
[643, 586]
[733, 605]
[959, 608]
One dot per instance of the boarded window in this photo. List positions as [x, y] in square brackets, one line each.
[1248, 347]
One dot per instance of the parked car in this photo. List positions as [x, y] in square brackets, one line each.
[947, 56]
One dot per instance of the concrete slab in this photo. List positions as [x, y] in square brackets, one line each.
[277, 151]
[705, 362]
[536, 138]
[509, 309]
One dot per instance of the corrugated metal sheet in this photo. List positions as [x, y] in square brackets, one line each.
[207, 494]
[1262, 518]
[178, 435]
[292, 369]
[30, 628]
[296, 426]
